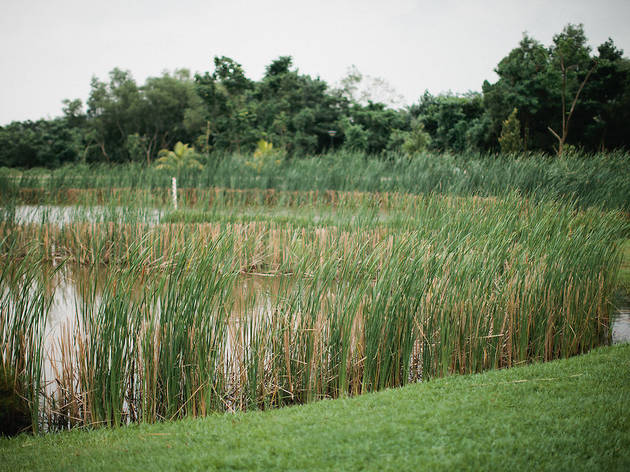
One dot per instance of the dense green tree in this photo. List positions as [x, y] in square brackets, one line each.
[510, 139]
[379, 122]
[603, 119]
[571, 66]
[172, 111]
[561, 88]
[522, 84]
[129, 122]
[229, 110]
[450, 119]
[417, 140]
[295, 111]
[356, 137]
[43, 143]
[555, 89]
[115, 110]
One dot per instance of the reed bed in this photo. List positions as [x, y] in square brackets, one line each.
[402, 288]
[24, 305]
[590, 180]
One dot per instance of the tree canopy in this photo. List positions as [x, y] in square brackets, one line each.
[565, 93]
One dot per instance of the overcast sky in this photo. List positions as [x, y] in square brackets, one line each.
[51, 49]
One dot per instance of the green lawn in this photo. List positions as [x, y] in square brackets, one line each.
[566, 415]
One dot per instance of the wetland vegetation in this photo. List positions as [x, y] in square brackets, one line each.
[323, 246]
[369, 291]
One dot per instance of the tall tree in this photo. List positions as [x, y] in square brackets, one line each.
[226, 94]
[522, 84]
[295, 111]
[131, 122]
[570, 56]
[172, 111]
[603, 118]
[452, 121]
[115, 110]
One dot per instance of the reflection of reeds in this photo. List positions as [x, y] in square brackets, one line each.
[166, 331]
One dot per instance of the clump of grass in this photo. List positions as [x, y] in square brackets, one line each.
[24, 305]
[470, 284]
[590, 180]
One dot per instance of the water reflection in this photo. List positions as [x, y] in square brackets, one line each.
[78, 288]
[621, 327]
[39, 214]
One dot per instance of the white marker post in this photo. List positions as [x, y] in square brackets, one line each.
[175, 193]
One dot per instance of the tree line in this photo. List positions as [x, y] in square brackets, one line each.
[555, 99]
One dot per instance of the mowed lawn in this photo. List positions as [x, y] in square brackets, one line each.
[564, 415]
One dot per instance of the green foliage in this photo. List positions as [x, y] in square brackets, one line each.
[231, 116]
[571, 47]
[523, 84]
[44, 143]
[510, 139]
[378, 122]
[294, 110]
[449, 120]
[537, 80]
[164, 110]
[265, 157]
[575, 407]
[136, 147]
[417, 140]
[182, 157]
[226, 112]
[356, 138]
[606, 97]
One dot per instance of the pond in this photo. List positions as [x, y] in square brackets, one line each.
[39, 214]
[621, 326]
[279, 340]
[252, 296]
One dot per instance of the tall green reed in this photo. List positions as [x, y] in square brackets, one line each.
[591, 180]
[24, 305]
[416, 287]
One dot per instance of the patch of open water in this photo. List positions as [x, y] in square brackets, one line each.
[29, 214]
[621, 326]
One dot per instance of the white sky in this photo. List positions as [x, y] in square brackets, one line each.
[52, 48]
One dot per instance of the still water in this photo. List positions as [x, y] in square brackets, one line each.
[621, 326]
[39, 214]
[252, 294]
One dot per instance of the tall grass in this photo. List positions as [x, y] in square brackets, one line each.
[591, 180]
[371, 291]
[24, 305]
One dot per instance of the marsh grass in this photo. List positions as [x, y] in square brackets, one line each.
[590, 180]
[24, 304]
[389, 289]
